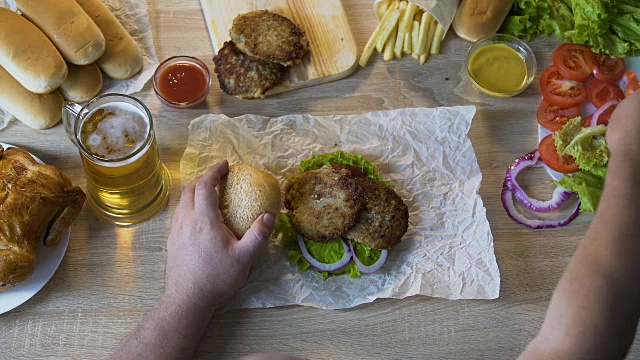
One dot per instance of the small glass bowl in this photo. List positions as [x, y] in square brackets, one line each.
[519, 46]
[182, 59]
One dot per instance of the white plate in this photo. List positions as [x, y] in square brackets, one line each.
[588, 109]
[48, 260]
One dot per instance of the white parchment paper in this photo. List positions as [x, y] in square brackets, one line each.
[134, 17]
[427, 155]
[443, 10]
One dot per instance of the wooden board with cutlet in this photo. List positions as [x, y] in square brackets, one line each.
[332, 50]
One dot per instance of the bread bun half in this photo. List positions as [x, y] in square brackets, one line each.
[245, 194]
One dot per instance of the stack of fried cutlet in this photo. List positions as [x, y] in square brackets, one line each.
[263, 46]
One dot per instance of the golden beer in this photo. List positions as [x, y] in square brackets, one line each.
[126, 182]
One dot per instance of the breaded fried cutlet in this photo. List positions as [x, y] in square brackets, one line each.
[269, 36]
[243, 76]
[323, 203]
[383, 221]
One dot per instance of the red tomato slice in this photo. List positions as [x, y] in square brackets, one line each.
[553, 117]
[574, 61]
[632, 83]
[607, 68]
[549, 154]
[561, 91]
[600, 93]
[603, 119]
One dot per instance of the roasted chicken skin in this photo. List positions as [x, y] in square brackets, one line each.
[36, 202]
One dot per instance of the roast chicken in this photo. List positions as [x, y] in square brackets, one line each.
[37, 203]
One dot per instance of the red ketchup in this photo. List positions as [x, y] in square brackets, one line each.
[182, 82]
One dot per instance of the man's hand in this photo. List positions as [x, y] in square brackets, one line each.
[206, 266]
[206, 263]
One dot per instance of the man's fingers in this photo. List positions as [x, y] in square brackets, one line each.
[257, 235]
[186, 198]
[206, 196]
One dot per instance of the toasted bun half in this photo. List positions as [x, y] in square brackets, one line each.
[245, 194]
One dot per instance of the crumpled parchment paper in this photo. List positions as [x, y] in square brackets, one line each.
[427, 156]
[443, 10]
[134, 17]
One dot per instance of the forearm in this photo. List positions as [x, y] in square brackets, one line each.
[594, 311]
[171, 330]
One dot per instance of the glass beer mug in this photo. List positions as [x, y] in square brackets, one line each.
[126, 182]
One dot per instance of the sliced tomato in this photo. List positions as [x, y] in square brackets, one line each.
[608, 69]
[600, 93]
[553, 117]
[549, 154]
[561, 91]
[603, 119]
[574, 61]
[632, 83]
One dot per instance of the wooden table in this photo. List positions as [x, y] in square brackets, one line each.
[111, 276]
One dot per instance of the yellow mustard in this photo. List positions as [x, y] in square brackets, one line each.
[498, 68]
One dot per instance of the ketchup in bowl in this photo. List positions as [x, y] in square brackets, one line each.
[182, 82]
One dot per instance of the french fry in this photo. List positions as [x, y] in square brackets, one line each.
[432, 29]
[371, 44]
[415, 32]
[389, 46]
[437, 40]
[425, 23]
[386, 27]
[406, 47]
[383, 7]
[404, 27]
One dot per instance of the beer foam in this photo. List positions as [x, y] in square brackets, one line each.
[114, 131]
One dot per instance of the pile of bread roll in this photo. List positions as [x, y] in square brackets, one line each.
[56, 50]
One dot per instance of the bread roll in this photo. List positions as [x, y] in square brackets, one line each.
[82, 84]
[245, 194]
[477, 19]
[28, 55]
[122, 57]
[70, 29]
[39, 111]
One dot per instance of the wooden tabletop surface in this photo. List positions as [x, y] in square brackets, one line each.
[110, 276]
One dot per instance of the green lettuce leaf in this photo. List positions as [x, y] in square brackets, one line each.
[559, 21]
[518, 26]
[574, 140]
[591, 155]
[332, 251]
[627, 27]
[588, 186]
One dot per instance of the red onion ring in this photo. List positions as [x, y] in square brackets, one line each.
[509, 206]
[596, 115]
[320, 266]
[369, 269]
[532, 159]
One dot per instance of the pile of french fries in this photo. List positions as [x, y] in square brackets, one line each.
[404, 28]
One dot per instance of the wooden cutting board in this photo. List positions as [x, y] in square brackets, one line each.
[333, 50]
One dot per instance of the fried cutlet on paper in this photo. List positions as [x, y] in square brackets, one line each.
[323, 203]
[269, 36]
[243, 76]
[383, 221]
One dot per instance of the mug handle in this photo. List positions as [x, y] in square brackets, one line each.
[70, 114]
